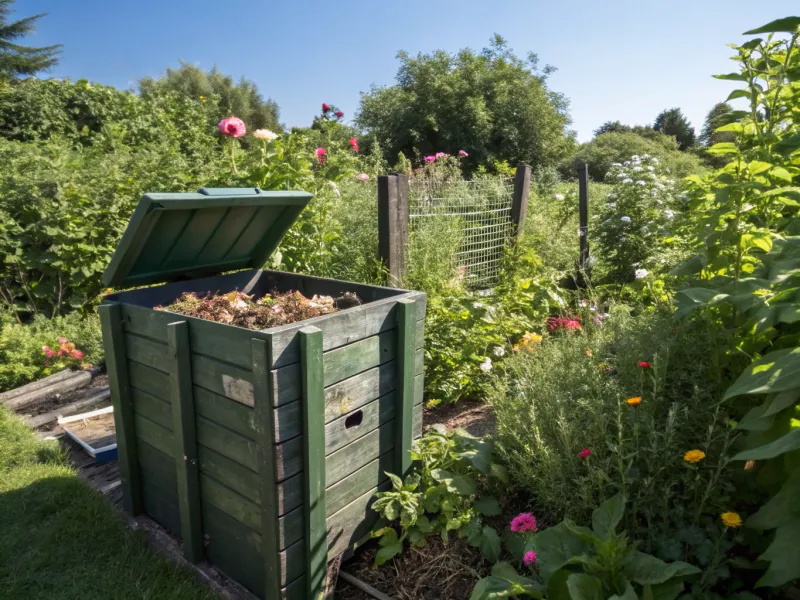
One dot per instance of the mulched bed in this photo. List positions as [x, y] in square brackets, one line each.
[271, 310]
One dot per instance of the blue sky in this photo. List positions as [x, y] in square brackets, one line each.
[617, 59]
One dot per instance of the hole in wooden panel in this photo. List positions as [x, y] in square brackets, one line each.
[354, 420]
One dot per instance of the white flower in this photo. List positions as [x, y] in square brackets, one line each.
[747, 207]
[335, 189]
[478, 305]
[621, 175]
[637, 169]
[486, 365]
[669, 213]
[559, 196]
[611, 195]
[265, 134]
[584, 302]
[625, 219]
[627, 163]
[640, 182]
[616, 164]
[627, 180]
[640, 273]
[499, 351]
[645, 156]
[670, 181]
[655, 160]
[612, 205]
[635, 157]
[650, 168]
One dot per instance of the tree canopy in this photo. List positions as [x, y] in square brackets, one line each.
[17, 60]
[225, 97]
[491, 104]
[673, 122]
[718, 116]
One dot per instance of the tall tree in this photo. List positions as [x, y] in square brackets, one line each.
[718, 116]
[673, 122]
[17, 60]
[493, 105]
[241, 99]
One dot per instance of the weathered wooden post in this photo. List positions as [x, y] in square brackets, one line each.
[519, 206]
[393, 225]
[583, 216]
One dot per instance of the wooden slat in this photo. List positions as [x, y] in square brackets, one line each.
[232, 474]
[226, 412]
[185, 439]
[313, 459]
[148, 380]
[339, 364]
[116, 365]
[235, 549]
[267, 495]
[406, 345]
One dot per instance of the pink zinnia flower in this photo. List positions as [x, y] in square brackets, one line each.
[321, 154]
[529, 558]
[523, 522]
[585, 453]
[76, 354]
[62, 340]
[232, 127]
[440, 154]
[48, 352]
[363, 176]
[339, 114]
[429, 159]
[644, 364]
[463, 154]
[572, 324]
[325, 107]
[354, 144]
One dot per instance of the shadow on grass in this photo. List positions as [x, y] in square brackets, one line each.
[61, 539]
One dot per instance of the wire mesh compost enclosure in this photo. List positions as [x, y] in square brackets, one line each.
[480, 209]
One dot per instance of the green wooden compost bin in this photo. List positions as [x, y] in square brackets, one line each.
[260, 450]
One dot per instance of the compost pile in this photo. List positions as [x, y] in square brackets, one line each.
[271, 310]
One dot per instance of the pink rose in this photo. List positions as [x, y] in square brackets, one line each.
[232, 127]
[325, 107]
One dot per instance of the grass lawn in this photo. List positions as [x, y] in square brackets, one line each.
[61, 539]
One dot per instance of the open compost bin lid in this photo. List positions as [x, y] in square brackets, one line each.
[189, 235]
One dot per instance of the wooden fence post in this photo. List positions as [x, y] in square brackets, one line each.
[393, 225]
[583, 215]
[519, 207]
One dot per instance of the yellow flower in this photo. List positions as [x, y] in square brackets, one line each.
[731, 519]
[107, 291]
[202, 98]
[635, 401]
[694, 456]
[527, 342]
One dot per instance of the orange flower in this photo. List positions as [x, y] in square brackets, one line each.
[588, 353]
[694, 456]
[635, 401]
[731, 519]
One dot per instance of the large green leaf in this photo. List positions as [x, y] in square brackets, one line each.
[692, 298]
[776, 372]
[628, 594]
[488, 505]
[784, 444]
[723, 147]
[783, 557]
[731, 77]
[781, 508]
[606, 516]
[785, 25]
[585, 587]
[492, 587]
[554, 547]
[646, 569]
[669, 590]
[490, 544]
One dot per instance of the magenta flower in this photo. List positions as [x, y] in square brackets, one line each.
[321, 154]
[440, 154]
[585, 453]
[429, 159]
[232, 127]
[462, 154]
[339, 114]
[62, 340]
[529, 558]
[523, 522]
[325, 107]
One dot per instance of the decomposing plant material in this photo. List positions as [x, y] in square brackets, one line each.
[243, 310]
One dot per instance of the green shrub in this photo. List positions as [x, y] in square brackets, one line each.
[571, 393]
[22, 359]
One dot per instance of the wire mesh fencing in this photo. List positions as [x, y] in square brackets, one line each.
[480, 209]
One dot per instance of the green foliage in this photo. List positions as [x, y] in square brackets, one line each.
[493, 105]
[22, 359]
[578, 563]
[632, 226]
[719, 115]
[672, 122]
[746, 270]
[441, 494]
[219, 92]
[605, 149]
[17, 60]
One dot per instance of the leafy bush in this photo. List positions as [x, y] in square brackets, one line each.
[441, 495]
[578, 562]
[607, 148]
[613, 408]
[22, 358]
[631, 226]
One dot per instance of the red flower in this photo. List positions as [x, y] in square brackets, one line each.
[585, 453]
[644, 364]
[76, 354]
[339, 114]
[354, 144]
[325, 108]
[321, 154]
[556, 323]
